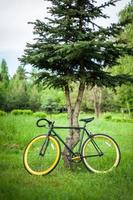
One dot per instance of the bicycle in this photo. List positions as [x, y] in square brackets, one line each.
[99, 152]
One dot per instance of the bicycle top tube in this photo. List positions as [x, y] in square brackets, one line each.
[51, 123]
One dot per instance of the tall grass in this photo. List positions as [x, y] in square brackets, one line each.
[62, 184]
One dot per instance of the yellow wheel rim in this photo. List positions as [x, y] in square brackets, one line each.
[56, 151]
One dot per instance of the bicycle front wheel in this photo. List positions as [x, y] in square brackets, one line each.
[100, 153]
[38, 164]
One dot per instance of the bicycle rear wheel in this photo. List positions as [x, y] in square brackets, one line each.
[109, 158]
[37, 164]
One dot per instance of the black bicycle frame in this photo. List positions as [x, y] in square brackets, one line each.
[77, 128]
[51, 130]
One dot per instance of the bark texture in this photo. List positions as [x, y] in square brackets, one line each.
[97, 98]
[73, 113]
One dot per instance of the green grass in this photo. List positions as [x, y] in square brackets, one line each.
[62, 184]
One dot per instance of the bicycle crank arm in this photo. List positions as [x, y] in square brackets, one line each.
[92, 156]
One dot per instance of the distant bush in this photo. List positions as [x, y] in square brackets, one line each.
[107, 117]
[117, 120]
[129, 120]
[2, 113]
[122, 120]
[39, 114]
[27, 112]
[16, 112]
[21, 112]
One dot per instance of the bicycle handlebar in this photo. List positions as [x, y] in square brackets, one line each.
[43, 119]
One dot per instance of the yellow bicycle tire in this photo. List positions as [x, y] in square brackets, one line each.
[55, 162]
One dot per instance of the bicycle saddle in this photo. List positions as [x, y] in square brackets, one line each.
[87, 120]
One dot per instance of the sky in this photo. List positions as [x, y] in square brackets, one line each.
[15, 32]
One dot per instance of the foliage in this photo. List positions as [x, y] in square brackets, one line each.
[4, 76]
[124, 97]
[2, 113]
[3, 94]
[52, 101]
[34, 97]
[129, 120]
[39, 114]
[20, 73]
[127, 13]
[21, 112]
[80, 53]
[108, 117]
[50, 106]
[19, 93]
[4, 81]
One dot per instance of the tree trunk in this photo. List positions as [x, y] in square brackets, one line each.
[97, 98]
[73, 114]
[70, 120]
[128, 108]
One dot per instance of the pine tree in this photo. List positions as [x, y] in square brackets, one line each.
[71, 47]
[4, 82]
[18, 97]
[4, 76]
[20, 73]
[126, 14]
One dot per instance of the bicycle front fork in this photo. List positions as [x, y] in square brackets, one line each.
[44, 147]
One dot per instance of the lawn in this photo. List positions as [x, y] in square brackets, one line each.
[62, 184]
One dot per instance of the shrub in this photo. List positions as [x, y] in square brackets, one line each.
[108, 117]
[129, 120]
[123, 120]
[117, 120]
[2, 113]
[21, 112]
[16, 112]
[39, 114]
[27, 112]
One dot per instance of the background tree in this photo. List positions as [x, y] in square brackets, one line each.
[97, 100]
[20, 73]
[71, 47]
[4, 75]
[18, 91]
[124, 97]
[3, 95]
[52, 101]
[4, 82]
[34, 96]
